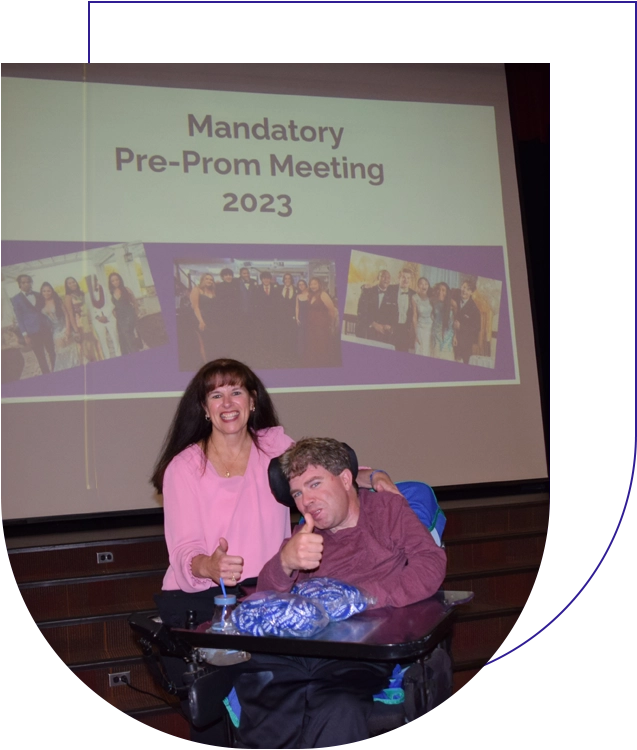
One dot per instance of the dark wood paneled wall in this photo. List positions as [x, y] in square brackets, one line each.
[494, 548]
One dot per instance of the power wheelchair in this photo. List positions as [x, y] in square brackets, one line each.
[181, 670]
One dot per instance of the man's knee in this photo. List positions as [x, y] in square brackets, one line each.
[336, 717]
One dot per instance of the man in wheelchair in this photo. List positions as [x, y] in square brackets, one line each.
[373, 541]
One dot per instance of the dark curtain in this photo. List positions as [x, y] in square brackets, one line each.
[528, 86]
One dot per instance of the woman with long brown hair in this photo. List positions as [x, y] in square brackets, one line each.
[423, 317]
[125, 312]
[442, 329]
[302, 300]
[67, 352]
[321, 327]
[204, 306]
[80, 316]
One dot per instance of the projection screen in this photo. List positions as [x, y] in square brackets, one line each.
[128, 196]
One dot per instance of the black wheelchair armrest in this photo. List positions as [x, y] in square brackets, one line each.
[175, 666]
[172, 663]
[154, 633]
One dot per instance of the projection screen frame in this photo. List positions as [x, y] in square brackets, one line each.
[340, 81]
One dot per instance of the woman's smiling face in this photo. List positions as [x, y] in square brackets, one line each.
[228, 407]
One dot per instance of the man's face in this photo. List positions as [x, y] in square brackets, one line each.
[25, 284]
[266, 281]
[287, 280]
[465, 292]
[404, 280]
[325, 497]
[245, 274]
[226, 278]
[384, 280]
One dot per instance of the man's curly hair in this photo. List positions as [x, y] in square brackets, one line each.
[325, 452]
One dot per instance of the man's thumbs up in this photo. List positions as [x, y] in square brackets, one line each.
[308, 526]
[304, 551]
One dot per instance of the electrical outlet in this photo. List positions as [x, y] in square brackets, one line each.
[104, 557]
[115, 679]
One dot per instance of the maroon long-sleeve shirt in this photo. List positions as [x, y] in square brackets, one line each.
[388, 554]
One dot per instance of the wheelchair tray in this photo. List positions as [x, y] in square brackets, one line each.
[388, 633]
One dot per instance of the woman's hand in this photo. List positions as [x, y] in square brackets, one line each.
[219, 565]
[377, 479]
[202, 326]
[381, 482]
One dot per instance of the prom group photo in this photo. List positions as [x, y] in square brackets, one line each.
[421, 309]
[272, 314]
[76, 309]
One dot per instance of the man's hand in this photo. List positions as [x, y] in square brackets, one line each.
[219, 565]
[304, 550]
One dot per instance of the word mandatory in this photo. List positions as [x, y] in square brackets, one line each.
[264, 131]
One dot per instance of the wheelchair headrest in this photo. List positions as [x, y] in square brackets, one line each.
[281, 487]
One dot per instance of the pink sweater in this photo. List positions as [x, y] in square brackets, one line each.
[200, 506]
[388, 554]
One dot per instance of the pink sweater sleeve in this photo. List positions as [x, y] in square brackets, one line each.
[183, 524]
[274, 441]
